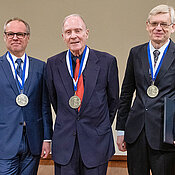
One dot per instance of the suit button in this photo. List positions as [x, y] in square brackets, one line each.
[74, 133]
[21, 123]
[78, 118]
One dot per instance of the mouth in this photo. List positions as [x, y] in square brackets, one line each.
[15, 44]
[158, 34]
[75, 42]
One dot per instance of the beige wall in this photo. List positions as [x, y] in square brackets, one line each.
[115, 25]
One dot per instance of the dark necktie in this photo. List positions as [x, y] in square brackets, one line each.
[19, 69]
[156, 54]
[80, 85]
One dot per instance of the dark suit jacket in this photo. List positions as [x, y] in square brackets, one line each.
[146, 112]
[92, 125]
[36, 114]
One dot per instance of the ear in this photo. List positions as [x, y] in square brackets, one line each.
[173, 28]
[4, 37]
[62, 35]
[147, 25]
[28, 37]
[87, 33]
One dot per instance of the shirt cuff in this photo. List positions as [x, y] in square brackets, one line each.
[120, 133]
[47, 140]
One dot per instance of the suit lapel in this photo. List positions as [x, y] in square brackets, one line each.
[65, 76]
[8, 72]
[90, 76]
[145, 63]
[167, 61]
[29, 78]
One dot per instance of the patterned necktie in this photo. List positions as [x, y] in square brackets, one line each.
[156, 54]
[80, 85]
[19, 69]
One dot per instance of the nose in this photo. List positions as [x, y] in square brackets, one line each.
[159, 26]
[15, 36]
[73, 35]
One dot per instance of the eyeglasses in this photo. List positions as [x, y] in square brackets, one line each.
[164, 25]
[19, 35]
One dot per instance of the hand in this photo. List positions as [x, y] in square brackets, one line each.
[121, 144]
[45, 149]
[174, 142]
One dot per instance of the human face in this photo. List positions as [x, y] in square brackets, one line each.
[75, 34]
[15, 45]
[159, 35]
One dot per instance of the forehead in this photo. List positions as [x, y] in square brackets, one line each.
[73, 22]
[16, 26]
[161, 17]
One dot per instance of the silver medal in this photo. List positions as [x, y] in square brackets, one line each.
[152, 91]
[22, 100]
[74, 102]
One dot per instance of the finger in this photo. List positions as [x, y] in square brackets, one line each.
[42, 153]
[122, 147]
[46, 154]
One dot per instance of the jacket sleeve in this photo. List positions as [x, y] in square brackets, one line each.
[46, 111]
[113, 89]
[50, 85]
[127, 91]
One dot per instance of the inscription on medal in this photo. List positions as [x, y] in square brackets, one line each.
[22, 100]
[152, 91]
[74, 102]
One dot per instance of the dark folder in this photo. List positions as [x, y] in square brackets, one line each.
[169, 120]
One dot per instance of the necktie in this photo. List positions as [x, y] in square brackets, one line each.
[19, 69]
[19, 73]
[80, 85]
[156, 54]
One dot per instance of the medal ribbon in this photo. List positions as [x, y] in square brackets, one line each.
[21, 84]
[82, 65]
[150, 62]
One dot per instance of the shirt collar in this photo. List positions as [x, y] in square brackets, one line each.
[74, 57]
[152, 49]
[15, 58]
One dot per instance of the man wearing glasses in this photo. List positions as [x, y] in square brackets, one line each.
[25, 115]
[151, 73]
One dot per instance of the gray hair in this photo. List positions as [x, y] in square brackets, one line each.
[162, 9]
[20, 20]
[73, 15]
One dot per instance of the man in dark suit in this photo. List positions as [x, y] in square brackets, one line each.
[82, 139]
[25, 115]
[151, 73]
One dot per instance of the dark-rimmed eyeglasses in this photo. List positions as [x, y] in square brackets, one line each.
[19, 35]
[162, 24]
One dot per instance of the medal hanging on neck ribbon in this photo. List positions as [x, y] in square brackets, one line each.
[21, 99]
[74, 101]
[153, 90]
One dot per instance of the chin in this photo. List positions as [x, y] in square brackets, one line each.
[76, 50]
[158, 39]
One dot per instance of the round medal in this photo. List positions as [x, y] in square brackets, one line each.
[22, 100]
[152, 91]
[74, 102]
